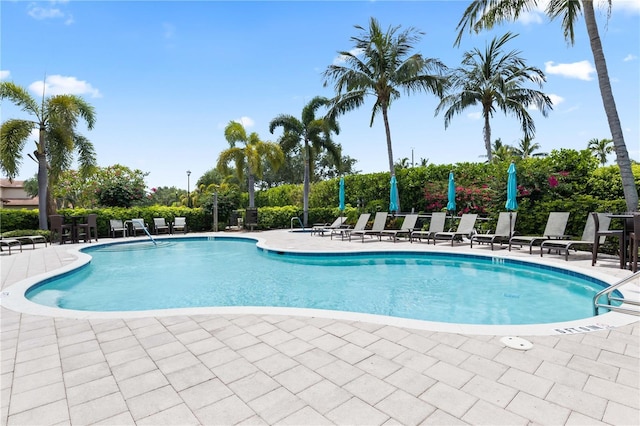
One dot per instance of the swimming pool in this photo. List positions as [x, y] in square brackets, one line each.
[199, 272]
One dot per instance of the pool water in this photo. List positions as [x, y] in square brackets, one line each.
[205, 272]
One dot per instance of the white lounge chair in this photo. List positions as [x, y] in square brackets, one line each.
[504, 230]
[160, 225]
[360, 225]
[321, 228]
[588, 237]
[466, 228]
[10, 242]
[179, 224]
[436, 224]
[378, 225]
[33, 239]
[406, 229]
[555, 228]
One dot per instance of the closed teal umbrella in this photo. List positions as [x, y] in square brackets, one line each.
[341, 195]
[393, 195]
[512, 189]
[451, 194]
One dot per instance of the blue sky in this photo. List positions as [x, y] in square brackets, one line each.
[166, 77]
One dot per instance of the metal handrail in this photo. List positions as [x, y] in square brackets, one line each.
[299, 221]
[610, 298]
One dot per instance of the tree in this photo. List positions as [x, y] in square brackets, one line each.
[484, 14]
[56, 120]
[315, 136]
[494, 80]
[601, 148]
[526, 149]
[381, 66]
[501, 152]
[248, 159]
[119, 186]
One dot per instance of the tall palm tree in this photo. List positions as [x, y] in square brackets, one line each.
[248, 159]
[315, 136]
[484, 14]
[56, 119]
[600, 149]
[501, 152]
[494, 80]
[526, 148]
[381, 66]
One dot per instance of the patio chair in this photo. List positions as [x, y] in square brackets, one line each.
[504, 230]
[321, 228]
[90, 228]
[10, 242]
[32, 239]
[555, 228]
[60, 231]
[359, 226]
[436, 225]
[602, 230]
[179, 224]
[587, 239]
[138, 225]
[406, 229]
[379, 223]
[465, 228]
[634, 239]
[160, 226]
[116, 226]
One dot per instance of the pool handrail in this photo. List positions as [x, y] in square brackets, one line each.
[609, 290]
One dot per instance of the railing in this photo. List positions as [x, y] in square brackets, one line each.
[296, 219]
[607, 291]
[146, 231]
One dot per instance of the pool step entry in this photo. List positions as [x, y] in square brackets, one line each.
[146, 231]
[629, 306]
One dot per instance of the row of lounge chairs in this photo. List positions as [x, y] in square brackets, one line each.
[18, 242]
[553, 237]
[138, 226]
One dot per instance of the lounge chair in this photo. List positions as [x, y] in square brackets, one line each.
[465, 229]
[138, 225]
[406, 229]
[179, 224]
[504, 231]
[321, 228]
[359, 226]
[160, 225]
[115, 226]
[436, 225]
[10, 242]
[378, 226]
[588, 237]
[555, 228]
[603, 230]
[32, 239]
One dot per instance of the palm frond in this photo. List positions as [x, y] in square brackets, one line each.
[13, 137]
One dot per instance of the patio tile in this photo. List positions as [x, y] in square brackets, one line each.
[153, 402]
[116, 334]
[328, 342]
[253, 386]
[218, 357]
[593, 368]
[449, 399]
[49, 414]
[36, 397]
[440, 418]
[449, 353]
[404, 407]
[125, 355]
[369, 389]
[142, 383]
[538, 410]
[518, 359]
[98, 409]
[276, 405]
[418, 343]
[166, 350]
[193, 336]
[234, 370]
[577, 419]
[177, 415]
[410, 381]
[550, 354]
[190, 376]
[119, 344]
[86, 374]
[36, 365]
[157, 339]
[308, 332]
[82, 360]
[415, 360]
[355, 412]
[624, 395]
[490, 391]
[297, 378]
[561, 374]
[315, 358]
[485, 413]
[290, 324]
[340, 372]
[306, 415]
[133, 368]
[386, 348]
[378, 366]
[205, 393]
[36, 353]
[275, 337]
[618, 360]
[34, 381]
[227, 332]
[449, 374]
[577, 348]
[324, 396]
[339, 328]
[149, 330]
[203, 346]
[121, 419]
[275, 364]
[361, 338]
[533, 385]
[260, 328]
[393, 334]
[177, 362]
[480, 348]
[227, 411]
[620, 414]
[351, 353]
[241, 341]
[257, 352]
[91, 390]
[484, 367]
[577, 400]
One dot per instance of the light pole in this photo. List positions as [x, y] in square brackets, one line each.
[188, 189]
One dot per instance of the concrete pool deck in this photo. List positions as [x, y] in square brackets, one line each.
[272, 367]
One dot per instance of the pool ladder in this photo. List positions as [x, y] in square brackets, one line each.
[296, 219]
[632, 309]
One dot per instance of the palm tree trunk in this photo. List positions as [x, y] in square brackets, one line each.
[251, 195]
[305, 191]
[43, 184]
[622, 155]
[387, 129]
[487, 135]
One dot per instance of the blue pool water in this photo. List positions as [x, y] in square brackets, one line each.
[234, 272]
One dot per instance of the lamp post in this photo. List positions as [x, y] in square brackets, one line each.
[188, 189]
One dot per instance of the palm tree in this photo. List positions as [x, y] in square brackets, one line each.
[493, 79]
[601, 148]
[315, 136]
[248, 158]
[56, 120]
[380, 66]
[501, 152]
[526, 149]
[483, 14]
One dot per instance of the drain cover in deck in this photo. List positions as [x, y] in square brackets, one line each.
[516, 343]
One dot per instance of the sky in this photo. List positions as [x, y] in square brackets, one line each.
[166, 77]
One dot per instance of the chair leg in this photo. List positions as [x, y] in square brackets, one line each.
[594, 254]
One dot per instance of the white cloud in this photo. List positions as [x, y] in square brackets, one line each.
[475, 115]
[245, 121]
[341, 59]
[630, 57]
[581, 70]
[533, 17]
[51, 12]
[631, 6]
[4, 74]
[61, 85]
[555, 101]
